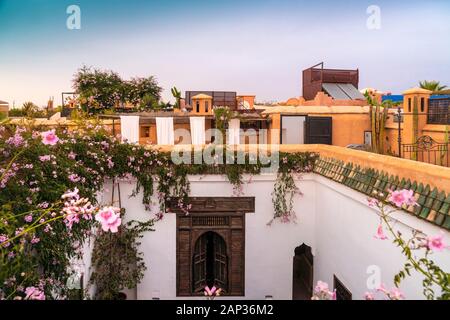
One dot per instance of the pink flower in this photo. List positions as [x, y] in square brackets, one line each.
[210, 292]
[380, 233]
[16, 140]
[70, 219]
[436, 243]
[45, 158]
[32, 293]
[71, 194]
[322, 292]
[29, 218]
[372, 202]
[369, 296]
[74, 177]
[4, 240]
[35, 240]
[71, 155]
[402, 197]
[109, 217]
[49, 137]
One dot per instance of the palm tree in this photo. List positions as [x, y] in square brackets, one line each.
[177, 95]
[431, 85]
[29, 109]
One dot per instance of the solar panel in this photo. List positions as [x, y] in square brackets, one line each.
[334, 91]
[351, 91]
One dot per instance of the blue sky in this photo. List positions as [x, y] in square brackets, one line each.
[252, 47]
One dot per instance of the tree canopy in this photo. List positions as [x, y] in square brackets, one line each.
[101, 90]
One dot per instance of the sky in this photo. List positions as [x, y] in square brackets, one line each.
[253, 47]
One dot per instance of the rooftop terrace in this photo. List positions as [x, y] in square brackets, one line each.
[367, 172]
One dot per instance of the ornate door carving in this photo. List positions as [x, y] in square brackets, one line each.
[211, 244]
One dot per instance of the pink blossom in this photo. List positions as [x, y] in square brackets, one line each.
[322, 292]
[369, 296]
[74, 177]
[209, 291]
[321, 286]
[16, 140]
[109, 217]
[71, 194]
[380, 233]
[35, 240]
[32, 293]
[45, 158]
[212, 293]
[71, 155]
[29, 218]
[110, 163]
[71, 218]
[402, 197]
[4, 240]
[436, 243]
[49, 137]
[372, 202]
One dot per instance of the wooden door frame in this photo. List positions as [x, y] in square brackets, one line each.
[232, 208]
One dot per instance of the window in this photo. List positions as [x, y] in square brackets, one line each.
[206, 106]
[145, 132]
[210, 263]
[342, 293]
[197, 106]
[422, 104]
[211, 244]
[409, 104]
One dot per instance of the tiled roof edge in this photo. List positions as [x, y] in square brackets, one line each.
[434, 204]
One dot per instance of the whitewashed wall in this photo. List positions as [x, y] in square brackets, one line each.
[333, 219]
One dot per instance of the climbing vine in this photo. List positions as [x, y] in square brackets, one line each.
[34, 175]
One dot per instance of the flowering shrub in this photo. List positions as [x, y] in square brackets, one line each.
[103, 89]
[419, 243]
[48, 205]
[48, 183]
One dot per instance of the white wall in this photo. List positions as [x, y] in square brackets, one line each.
[333, 219]
[345, 245]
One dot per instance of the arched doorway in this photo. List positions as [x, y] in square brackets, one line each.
[302, 282]
[210, 262]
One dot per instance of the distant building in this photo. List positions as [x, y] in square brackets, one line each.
[4, 107]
